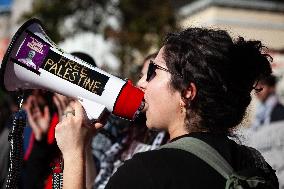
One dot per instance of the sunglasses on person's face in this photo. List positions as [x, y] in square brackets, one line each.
[151, 73]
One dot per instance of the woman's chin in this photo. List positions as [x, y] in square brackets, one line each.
[149, 124]
[155, 128]
[152, 126]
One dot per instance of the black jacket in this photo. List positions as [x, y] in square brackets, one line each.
[178, 169]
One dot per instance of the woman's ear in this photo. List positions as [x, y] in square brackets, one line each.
[190, 92]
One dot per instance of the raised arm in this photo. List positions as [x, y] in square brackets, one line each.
[73, 135]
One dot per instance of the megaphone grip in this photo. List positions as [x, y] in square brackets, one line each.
[128, 101]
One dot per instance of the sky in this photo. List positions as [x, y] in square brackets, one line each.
[5, 2]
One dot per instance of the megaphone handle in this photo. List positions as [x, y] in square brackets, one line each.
[93, 110]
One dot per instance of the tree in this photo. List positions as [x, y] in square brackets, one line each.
[84, 15]
[142, 23]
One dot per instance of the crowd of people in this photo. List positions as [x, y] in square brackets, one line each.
[193, 89]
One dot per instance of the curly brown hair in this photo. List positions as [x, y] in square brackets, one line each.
[224, 72]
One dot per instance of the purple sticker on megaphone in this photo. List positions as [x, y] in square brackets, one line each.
[32, 52]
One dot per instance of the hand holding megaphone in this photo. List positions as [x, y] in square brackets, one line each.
[34, 61]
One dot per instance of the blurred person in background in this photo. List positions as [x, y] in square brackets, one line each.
[269, 109]
[41, 150]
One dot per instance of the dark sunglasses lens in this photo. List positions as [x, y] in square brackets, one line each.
[150, 72]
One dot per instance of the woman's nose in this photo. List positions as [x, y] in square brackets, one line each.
[142, 83]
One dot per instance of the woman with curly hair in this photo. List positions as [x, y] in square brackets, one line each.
[199, 86]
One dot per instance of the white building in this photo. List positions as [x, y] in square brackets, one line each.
[253, 19]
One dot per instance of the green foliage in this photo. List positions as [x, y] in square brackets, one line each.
[141, 18]
[144, 25]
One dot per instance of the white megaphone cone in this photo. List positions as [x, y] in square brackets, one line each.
[34, 61]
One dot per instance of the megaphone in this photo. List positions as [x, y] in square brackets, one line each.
[33, 61]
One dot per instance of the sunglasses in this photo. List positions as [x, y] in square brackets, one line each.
[151, 73]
